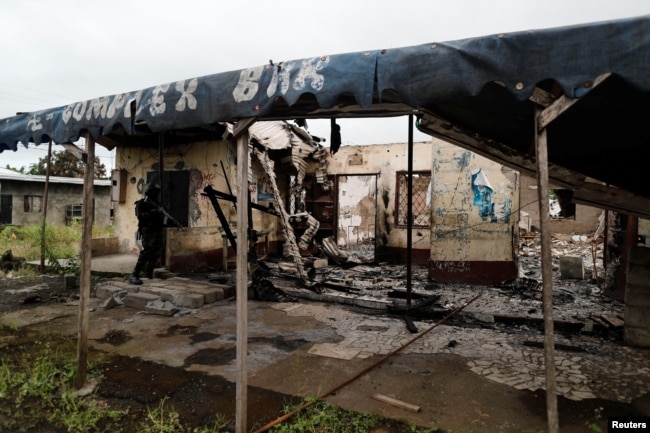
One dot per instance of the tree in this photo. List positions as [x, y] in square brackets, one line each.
[19, 170]
[65, 164]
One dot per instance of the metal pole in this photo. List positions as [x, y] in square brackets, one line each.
[409, 215]
[541, 150]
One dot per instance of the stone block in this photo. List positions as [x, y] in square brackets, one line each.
[107, 290]
[210, 294]
[572, 268]
[188, 300]
[177, 296]
[320, 263]
[163, 308]
[139, 300]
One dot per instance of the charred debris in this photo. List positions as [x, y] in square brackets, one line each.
[313, 268]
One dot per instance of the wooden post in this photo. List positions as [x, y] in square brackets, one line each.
[86, 245]
[45, 195]
[241, 397]
[541, 150]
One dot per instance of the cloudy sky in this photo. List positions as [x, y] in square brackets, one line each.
[58, 52]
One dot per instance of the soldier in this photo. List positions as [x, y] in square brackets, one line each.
[151, 221]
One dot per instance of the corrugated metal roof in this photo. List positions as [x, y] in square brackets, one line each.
[6, 174]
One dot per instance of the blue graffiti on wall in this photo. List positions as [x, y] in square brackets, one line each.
[484, 200]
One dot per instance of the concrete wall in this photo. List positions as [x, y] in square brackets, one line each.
[385, 161]
[637, 298]
[60, 195]
[458, 244]
[200, 244]
[473, 232]
[586, 217]
[637, 291]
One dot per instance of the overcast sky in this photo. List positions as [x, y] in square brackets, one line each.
[58, 52]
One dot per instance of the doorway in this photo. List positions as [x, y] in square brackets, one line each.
[357, 215]
[6, 207]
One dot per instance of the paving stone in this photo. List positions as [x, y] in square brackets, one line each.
[177, 297]
[139, 300]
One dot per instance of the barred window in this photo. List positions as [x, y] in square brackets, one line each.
[421, 198]
[32, 203]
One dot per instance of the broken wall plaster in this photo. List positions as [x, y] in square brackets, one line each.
[471, 220]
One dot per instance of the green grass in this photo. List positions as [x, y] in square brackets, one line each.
[60, 241]
[36, 391]
[324, 417]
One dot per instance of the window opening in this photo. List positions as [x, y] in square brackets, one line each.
[421, 198]
[33, 203]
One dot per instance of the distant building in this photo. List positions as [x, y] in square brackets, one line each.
[21, 199]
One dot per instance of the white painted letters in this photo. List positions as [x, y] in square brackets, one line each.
[186, 97]
[248, 84]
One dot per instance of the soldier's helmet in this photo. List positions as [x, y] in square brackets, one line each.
[151, 188]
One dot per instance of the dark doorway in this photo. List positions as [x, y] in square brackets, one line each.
[175, 197]
[6, 207]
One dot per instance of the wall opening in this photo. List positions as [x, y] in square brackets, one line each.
[357, 215]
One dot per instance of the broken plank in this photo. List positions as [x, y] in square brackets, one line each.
[612, 320]
[397, 403]
[599, 321]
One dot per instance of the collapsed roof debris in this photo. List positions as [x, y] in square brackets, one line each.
[279, 135]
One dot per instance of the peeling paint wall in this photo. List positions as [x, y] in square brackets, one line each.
[473, 216]
[202, 163]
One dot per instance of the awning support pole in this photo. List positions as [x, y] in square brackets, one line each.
[86, 246]
[409, 216]
[48, 169]
[541, 150]
[241, 134]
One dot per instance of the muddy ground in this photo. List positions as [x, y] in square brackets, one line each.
[449, 394]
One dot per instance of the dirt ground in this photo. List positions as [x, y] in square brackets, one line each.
[450, 396]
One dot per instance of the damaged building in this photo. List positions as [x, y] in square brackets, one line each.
[349, 206]
[571, 121]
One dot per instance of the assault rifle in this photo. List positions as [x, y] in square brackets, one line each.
[168, 217]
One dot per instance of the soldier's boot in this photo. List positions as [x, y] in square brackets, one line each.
[135, 279]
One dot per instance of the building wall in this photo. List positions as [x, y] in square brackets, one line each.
[385, 161]
[60, 195]
[585, 221]
[637, 290]
[201, 243]
[473, 236]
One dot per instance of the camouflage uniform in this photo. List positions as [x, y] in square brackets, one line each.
[150, 224]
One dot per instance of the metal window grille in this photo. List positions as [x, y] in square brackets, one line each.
[421, 199]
